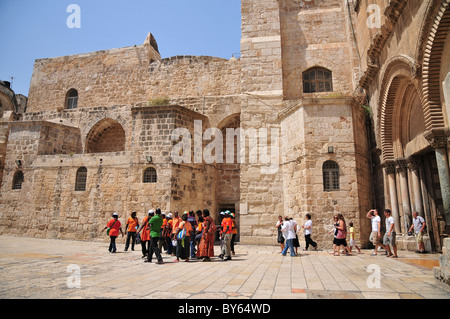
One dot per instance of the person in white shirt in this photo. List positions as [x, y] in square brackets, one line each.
[295, 242]
[376, 229]
[390, 235]
[288, 229]
[308, 231]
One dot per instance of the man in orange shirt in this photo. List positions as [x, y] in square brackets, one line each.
[130, 230]
[176, 220]
[113, 227]
[145, 237]
[227, 233]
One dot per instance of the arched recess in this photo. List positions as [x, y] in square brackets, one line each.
[106, 136]
[228, 173]
[397, 76]
[429, 57]
[408, 119]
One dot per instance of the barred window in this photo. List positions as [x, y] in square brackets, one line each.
[81, 178]
[330, 171]
[72, 99]
[150, 175]
[18, 180]
[317, 80]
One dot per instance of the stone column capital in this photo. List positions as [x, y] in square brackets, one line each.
[438, 138]
[389, 167]
[401, 165]
[413, 164]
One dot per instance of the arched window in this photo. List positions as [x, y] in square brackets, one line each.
[150, 175]
[72, 99]
[18, 180]
[81, 178]
[317, 80]
[330, 170]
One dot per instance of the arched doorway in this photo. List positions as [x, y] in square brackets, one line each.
[106, 136]
[410, 161]
[228, 172]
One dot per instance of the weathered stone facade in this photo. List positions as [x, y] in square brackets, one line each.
[405, 71]
[129, 102]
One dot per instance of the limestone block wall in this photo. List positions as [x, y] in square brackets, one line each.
[308, 131]
[442, 273]
[261, 46]
[101, 78]
[309, 39]
[128, 76]
[48, 205]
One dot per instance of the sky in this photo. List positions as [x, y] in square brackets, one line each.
[36, 29]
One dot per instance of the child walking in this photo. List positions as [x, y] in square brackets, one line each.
[352, 239]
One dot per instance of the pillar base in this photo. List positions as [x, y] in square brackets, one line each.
[408, 243]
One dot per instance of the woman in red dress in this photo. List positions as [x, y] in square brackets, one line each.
[206, 247]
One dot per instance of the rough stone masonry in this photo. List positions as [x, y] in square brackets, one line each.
[343, 99]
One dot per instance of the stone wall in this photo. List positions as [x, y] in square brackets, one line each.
[308, 132]
[129, 76]
[130, 101]
[309, 39]
[442, 273]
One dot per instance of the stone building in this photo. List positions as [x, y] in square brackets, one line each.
[328, 110]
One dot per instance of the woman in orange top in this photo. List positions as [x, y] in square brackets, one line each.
[114, 227]
[183, 244]
[145, 237]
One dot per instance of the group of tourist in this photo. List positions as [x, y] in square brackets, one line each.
[288, 238]
[417, 229]
[187, 237]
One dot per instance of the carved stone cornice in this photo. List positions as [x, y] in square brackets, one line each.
[392, 14]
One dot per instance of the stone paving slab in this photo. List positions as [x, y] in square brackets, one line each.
[44, 268]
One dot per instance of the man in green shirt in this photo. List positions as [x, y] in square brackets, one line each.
[155, 224]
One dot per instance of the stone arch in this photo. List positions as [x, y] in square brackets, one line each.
[106, 136]
[408, 119]
[232, 121]
[228, 191]
[429, 57]
[397, 74]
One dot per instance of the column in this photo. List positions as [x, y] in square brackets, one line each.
[390, 173]
[413, 166]
[402, 169]
[438, 139]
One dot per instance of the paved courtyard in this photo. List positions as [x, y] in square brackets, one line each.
[57, 269]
